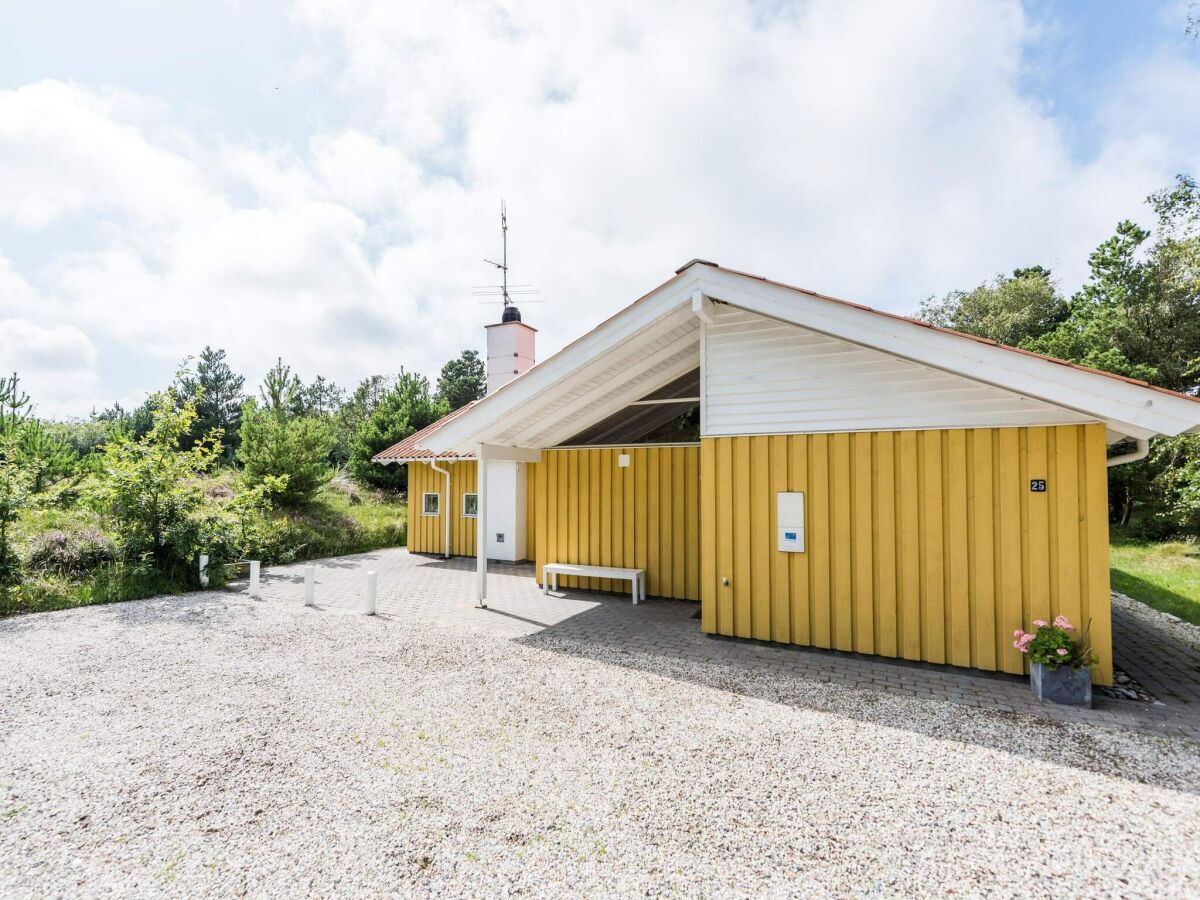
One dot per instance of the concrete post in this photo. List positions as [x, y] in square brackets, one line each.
[310, 592]
[203, 570]
[372, 584]
[254, 572]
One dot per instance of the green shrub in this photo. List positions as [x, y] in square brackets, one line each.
[294, 451]
[151, 491]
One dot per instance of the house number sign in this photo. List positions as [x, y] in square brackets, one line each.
[1038, 485]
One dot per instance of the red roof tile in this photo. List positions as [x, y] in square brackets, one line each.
[408, 450]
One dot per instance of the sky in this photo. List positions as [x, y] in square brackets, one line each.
[320, 180]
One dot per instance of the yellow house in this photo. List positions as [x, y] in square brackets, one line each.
[812, 471]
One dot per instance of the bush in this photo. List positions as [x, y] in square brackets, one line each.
[70, 553]
[151, 490]
[294, 451]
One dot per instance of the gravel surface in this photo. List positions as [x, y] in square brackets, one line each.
[214, 746]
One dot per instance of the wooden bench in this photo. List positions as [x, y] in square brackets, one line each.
[636, 576]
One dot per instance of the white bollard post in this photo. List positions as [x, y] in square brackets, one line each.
[372, 583]
[254, 570]
[310, 592]
[203, 570]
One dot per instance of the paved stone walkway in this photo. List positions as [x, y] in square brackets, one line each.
[430, 589]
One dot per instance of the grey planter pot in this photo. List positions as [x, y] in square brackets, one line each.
[1064, 685]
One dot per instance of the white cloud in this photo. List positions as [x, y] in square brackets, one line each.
[878, 152]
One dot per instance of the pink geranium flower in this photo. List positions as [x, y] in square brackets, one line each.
[1040, 623]
[1064, 623]
[1061, 651]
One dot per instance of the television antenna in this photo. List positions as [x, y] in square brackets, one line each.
[504, 290]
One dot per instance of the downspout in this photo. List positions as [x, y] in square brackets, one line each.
[434, 465]
[1140, 452]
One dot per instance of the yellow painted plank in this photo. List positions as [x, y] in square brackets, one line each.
[641, 478]
[798, 563]
[863, 543]
[1065, 491]
[653, 491]
[604, 518]
[957, 586]
[692, 519]
[710, 535]
[539, 558]
[680, 546]
[629, 529]
[618, 510]
[933, 598]
[742, 586]
[1095, 523]
[1039, 527]
[781, 601]
[887, 635]
[983, 649]
[842, 615]
[818, 540]
[725, 543]
[761, 543]
[909, 561]
[666, 506]
[1009, 580]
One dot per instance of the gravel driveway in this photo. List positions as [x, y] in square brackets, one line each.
[213, 745]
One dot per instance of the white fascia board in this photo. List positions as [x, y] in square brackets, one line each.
[539, 383]
[1128, 408]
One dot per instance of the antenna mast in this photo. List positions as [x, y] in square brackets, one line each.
[506, 294]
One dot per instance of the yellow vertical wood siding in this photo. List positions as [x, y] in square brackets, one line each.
[426, 533]
[588, 510]
[924, 545]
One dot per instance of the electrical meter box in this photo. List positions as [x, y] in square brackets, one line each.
[789, 512]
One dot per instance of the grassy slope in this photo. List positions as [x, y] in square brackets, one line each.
[334, 525]
[1163, 575]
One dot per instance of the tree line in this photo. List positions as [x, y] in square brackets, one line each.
[131, 498]
[1137, 315]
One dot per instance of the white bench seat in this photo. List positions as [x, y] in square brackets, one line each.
[636, 576]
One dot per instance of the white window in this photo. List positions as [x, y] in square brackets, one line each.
[431, 504]
[470, 506]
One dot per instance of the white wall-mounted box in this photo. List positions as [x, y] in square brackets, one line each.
[789, 517]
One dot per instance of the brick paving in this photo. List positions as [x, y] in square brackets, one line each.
[434, 590]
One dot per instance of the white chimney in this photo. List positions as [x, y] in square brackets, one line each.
[509, 349]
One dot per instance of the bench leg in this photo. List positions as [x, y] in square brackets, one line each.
[643, 585]
[634, 591]
[545, 582]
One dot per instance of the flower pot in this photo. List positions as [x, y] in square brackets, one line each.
[1070, 687]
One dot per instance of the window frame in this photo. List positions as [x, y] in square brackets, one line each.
[425, 503]
[470, 515]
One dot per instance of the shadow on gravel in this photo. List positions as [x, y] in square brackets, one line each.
[660, 637]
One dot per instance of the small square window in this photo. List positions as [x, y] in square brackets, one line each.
[431, 504]
[470, 506]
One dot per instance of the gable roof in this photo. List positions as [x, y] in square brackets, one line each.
[409, 449]
[595, 375]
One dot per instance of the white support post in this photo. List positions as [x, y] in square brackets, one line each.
[310, 588]
[481, 532]
[203, 570]
[372, 583]
[255, 568]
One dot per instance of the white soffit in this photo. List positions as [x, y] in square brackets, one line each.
[1126, 407]
[645, 346]
[763, 376]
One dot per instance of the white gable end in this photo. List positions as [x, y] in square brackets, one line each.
[762, 376]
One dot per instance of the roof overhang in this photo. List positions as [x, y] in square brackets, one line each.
[657, 338]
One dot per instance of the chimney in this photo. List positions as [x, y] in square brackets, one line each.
[509, 349]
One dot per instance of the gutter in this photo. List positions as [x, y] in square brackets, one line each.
[1139, 453]
[433, 464]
